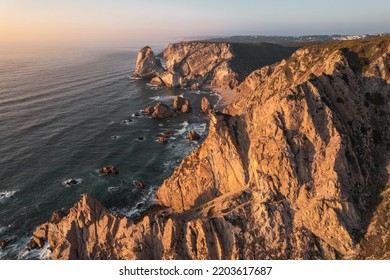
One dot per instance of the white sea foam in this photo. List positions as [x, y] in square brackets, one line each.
[72, 182]
[146, 201]
[219, 98]
[114, 137]
[127, 122]
[112, 189]
[155, 98]
[7, 194]
[133, 78]
[183, 130]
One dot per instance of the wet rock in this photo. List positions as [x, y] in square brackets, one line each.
[141, 138]
[4, 243]
[139, 184]
[156, 81]
[161, 111]
[169, 132]
[205, 105]
[192, 135]
[149, 110]
[162, 139]
[109, 169]
[181, 104]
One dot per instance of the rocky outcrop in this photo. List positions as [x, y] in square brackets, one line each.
[205, 105]
[147, 66]
[292, 169]
[109, 169]
[195, 64]
[192, 135]
[182, 104]
[161, 111]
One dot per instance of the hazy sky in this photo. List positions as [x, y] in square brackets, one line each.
[126, 22]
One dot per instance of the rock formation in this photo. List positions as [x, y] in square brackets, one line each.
[292, 169]
[182, 104]
[192, 135]
[194, 64]
[205, 105]
[148, 66]
[161, 111]
[109, 169]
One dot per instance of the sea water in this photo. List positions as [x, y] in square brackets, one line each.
[65, 114]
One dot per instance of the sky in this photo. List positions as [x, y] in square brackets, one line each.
[128, 22]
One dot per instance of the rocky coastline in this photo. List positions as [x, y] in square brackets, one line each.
[296, 167]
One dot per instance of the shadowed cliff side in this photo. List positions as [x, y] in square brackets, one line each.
[292, 169]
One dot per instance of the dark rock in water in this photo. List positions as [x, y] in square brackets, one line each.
[139, 205]
[192, 135]
[148, 65]
[109, 169]
[182, 104]
[205, 105]
[57, 216]
[169, 132]
[162, 139]
[4, 243]
[149, 110]
[161, 111]
[136, 114]
[127, 121]
[139, 184]
[141, 138]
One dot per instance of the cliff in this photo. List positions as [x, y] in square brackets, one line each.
[294, 168]
[194, 64]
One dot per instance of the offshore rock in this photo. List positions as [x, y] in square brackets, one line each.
[192, 135]
[182, 104]
[205, 105]
[225, 65]
[161, 111]
[292, 169]
[109, 169]
[147, 66]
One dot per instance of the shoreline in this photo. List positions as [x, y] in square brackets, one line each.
[226, 95]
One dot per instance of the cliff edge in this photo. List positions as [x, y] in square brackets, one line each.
[294, 168]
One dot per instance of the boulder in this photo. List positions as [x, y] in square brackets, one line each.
[162, 139]
[109, 169]
[148, 66]
[182, 104]
[205, 105]
[149, 110]
[139, 184]
[192, 135]
[4, 243]
[161, 111]
[156, 81]
[169, 132]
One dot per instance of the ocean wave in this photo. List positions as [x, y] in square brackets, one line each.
[114, 137]
[141, 205]
[155, 98]
[133, 78]
[214, 93]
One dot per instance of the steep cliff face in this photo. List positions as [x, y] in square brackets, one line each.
[194, 64]
[292, 169]
[147, 66]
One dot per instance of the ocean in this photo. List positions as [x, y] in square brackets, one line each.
[65, 114]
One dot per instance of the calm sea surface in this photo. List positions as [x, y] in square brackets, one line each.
[65, 114]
